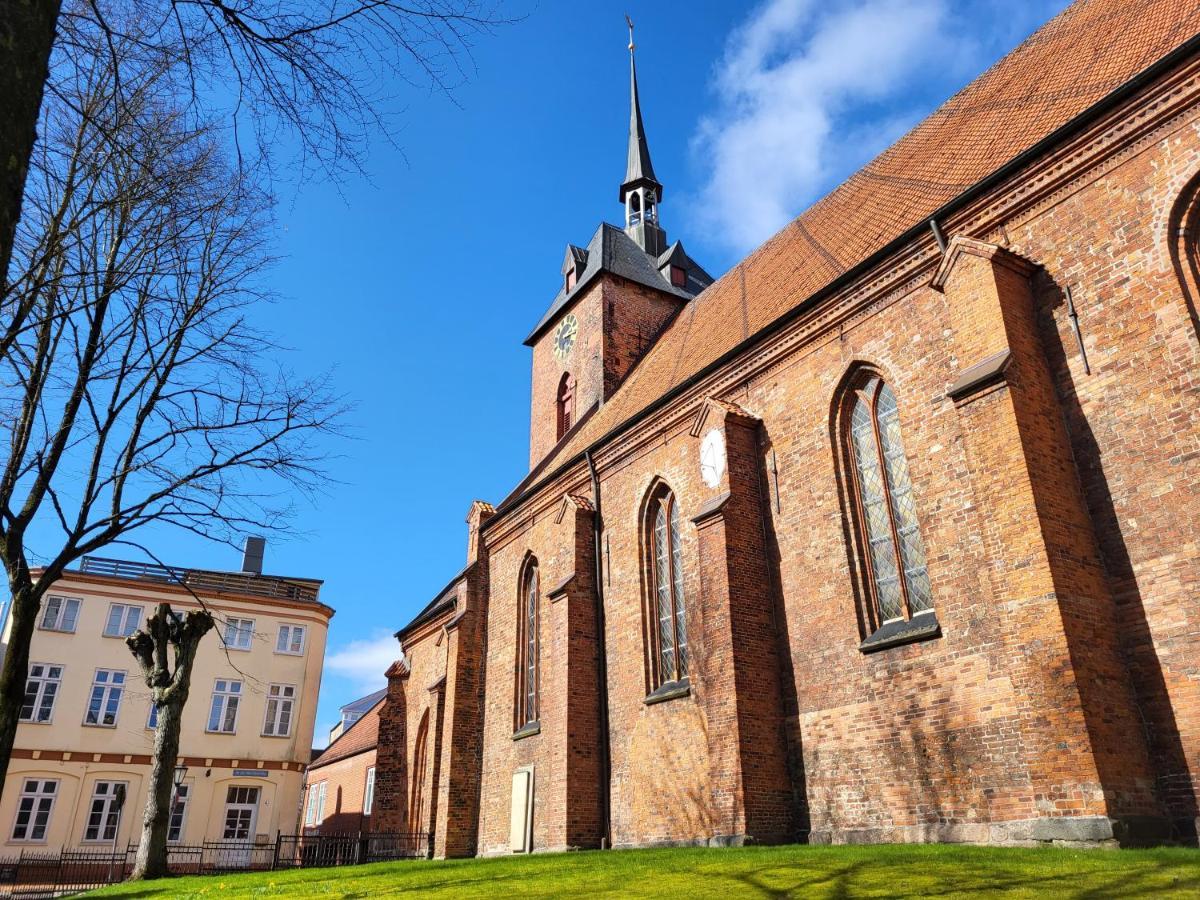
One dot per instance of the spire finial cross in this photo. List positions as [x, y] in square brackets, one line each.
[629, 22]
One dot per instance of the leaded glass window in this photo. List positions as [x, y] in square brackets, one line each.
[670, 615]
[527, 674]
[899, 578]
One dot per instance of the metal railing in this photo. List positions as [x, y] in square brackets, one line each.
[37, 874]
[206, 579]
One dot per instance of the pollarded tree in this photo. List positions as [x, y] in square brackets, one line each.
[134, 389]
[165, 648]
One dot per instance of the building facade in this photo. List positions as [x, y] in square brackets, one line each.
[86, 731]
[889, 534]
[339, 784]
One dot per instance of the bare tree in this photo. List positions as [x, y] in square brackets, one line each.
[133, 387]
[169, 680]
[311, 70]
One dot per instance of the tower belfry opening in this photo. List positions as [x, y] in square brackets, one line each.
[641, 192]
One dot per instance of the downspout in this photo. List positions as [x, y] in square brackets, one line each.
[601, 662]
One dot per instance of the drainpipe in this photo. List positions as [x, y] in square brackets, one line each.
[601, 662]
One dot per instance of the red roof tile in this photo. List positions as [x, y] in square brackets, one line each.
[1071, 63]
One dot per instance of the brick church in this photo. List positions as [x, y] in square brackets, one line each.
[891, 533]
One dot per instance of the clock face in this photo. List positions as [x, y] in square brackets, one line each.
[564, 337]
[712, 457]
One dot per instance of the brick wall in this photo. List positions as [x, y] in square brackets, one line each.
[345, 789]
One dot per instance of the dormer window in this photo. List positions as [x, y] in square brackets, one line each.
[678, 276]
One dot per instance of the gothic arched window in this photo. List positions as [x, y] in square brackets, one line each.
[666, 607]
[566, 404]
[416, 805]
[891, 537]
[528, 647]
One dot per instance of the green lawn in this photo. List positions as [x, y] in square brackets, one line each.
[860, 871]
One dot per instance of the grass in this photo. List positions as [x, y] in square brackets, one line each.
[797, 871]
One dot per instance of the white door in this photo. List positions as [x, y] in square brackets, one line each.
[241, 815]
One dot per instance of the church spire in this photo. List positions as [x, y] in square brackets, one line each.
[641, 192]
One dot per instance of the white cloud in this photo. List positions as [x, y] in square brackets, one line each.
[807, 91]
[363, 662]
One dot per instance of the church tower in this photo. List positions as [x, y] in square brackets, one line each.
[616, 296]
[641, 192]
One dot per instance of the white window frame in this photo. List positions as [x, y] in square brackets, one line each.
[277, 697]
[181, 797]
[310, 807]
[108, 815]
[239, 636]
[114, 682]
[222, 696]
[34, 796]
[125, 612]
[43, 682]
[284, 646]
[369, 792]
[55, 614]
[321, 802]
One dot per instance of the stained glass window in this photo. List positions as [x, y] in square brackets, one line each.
[895, 553]
[669, 607]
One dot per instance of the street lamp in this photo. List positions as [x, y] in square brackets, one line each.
[180, 774]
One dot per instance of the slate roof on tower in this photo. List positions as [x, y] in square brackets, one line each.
[1056, 76]
[612, 250]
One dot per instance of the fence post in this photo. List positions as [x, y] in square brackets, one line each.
[429, 845]
[278, 844]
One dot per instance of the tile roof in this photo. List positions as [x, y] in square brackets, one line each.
[363, 735]
[1071, 63]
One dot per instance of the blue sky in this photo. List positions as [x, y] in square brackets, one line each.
[417, 283]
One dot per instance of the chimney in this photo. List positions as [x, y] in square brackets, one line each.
[252, 554]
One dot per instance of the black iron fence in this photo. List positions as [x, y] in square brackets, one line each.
[37, 874]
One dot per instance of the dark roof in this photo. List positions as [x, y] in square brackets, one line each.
[360, 737]
[612, 250]
[1056, 79]
[443, 600]
[362, 704]
[638, 168]
[279, 586]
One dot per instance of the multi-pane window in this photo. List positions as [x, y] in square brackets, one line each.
[222, 715]
[179, 803]
[670, 660]
[41, 689]
[291, 639]
[528, 647]
[899, 579]
[152, 719]
[239, 633]
[280, 699]
[310, 810]
[34, 806]
[60, 614]
[105, 702]
[241, 809]
[105, 814]
[123, 620]
[369, 792]
[566, 404]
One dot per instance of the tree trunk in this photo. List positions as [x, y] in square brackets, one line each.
[151, 859]
[14, 673]
[151, 647]
[26, 38]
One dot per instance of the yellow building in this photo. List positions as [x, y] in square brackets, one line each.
[86, 732]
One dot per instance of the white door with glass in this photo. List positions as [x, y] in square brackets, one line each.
[241, 815]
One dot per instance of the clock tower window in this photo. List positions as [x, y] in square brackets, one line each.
[566, 404]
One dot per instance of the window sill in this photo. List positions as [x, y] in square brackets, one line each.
[281, 736]
[527, 731]
[289, 652]
[56, 630]
[98, 725]
[210, 731]
[669, 691]
[924, 626]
